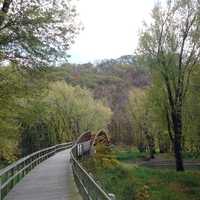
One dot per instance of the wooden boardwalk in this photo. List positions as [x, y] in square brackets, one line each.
[51, 180]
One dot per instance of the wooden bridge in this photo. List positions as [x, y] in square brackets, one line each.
[50, 174]
[52, 179]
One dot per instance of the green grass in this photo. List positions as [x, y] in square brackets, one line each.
[131, 182]
[131, 154]
[113, 178]
[168, 184]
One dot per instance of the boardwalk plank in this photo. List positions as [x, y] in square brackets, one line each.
[51, 180]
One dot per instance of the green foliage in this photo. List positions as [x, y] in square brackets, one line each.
[38, 111]
[61, 114]
[35, 32]
[142, 116]
[110, 82]
[192, 116]
[35, 133]
[10, 89]
[102, 149]
[112, 177]
[15, 86]
[72, 110]
[128, 181]
[138, 112]
[170, 47]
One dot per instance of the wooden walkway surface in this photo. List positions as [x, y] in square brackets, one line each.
[51, 180]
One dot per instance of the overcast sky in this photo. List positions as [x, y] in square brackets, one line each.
[110, 28]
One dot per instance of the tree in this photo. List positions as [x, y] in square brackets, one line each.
[192, 116]
[171, 44]
[15, 89]
[35, 32]
[34, 130]
[159, 117]
[140, 112]
[73, 110]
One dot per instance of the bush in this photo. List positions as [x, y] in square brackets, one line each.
[113, 177]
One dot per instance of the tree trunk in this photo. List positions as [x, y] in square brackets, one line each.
[152, 147]
[4, 10]
[178, 154]
[151, 143]
[177, 123]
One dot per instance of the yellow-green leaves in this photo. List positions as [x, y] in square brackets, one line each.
[73, 110]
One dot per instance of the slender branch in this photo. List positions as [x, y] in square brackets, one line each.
[169, 124]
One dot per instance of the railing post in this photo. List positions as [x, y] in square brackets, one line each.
[12, 174]
[112, 196]
[38, 158]
[23, 172]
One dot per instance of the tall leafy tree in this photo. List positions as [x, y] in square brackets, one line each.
[36, 31]
[172, 45]
[15, 87]
[192, 116]
[73, 110]
[140, 111]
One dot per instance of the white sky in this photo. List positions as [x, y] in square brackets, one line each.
[110, 28]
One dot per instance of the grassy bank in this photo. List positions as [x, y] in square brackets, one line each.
[133, 154]
[131, 182]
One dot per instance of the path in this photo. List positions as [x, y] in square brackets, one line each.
[51, 180]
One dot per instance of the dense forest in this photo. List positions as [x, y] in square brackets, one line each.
[57, 104]
[118, 94]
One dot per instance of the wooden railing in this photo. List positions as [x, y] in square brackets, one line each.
[12, 174]
[87, 186]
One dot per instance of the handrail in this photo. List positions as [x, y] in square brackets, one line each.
[87, 186]
[12, 174]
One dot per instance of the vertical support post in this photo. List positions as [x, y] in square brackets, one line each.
[22, 173]
[12, 174]
[38, 161]
[112, 196]
[55, 149]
